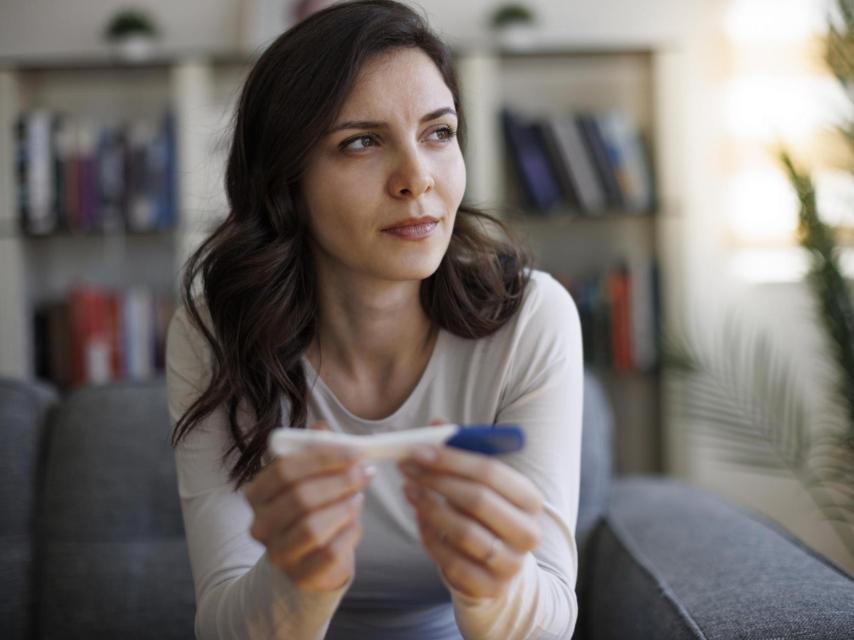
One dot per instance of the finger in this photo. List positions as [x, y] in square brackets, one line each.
[465, 534]
[513, 526]
[438, 422]
[315, 530]
[320, 425]
[306, 496]
[286, 470]
[499, 476]
[459, 571]
[329, 568]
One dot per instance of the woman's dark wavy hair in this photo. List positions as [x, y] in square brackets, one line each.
[256, 272]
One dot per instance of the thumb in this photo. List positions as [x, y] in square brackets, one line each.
[320, 425]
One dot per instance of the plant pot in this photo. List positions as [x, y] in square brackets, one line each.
[521, 35]
[134, 48]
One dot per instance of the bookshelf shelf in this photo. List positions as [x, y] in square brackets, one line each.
[560, 217]
[99, 249]
[96, 235]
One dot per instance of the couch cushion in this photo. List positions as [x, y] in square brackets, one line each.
[115, 557]
[23, 406]
[672, 561]
[596, 457]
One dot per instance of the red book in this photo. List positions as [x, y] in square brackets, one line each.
[114, 330]
[90, 336]
[619, 291]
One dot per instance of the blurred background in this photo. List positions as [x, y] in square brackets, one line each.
[637, 147]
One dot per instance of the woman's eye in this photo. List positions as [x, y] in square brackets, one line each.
[446, 133]
[349, 144]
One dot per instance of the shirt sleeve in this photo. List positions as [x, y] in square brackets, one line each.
[239, 593]
[543, 394]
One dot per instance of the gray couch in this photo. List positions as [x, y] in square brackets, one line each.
[93, 543]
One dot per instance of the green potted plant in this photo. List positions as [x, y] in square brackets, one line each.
[132, 34]
[513, 25]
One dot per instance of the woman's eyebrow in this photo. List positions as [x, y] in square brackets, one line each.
[370, 124]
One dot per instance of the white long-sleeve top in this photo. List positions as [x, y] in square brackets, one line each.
[527, 373]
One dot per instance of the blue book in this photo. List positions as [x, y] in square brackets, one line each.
[531, 161]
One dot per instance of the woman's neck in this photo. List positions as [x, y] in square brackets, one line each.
[371, 333]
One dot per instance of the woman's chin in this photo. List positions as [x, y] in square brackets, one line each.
[414, 269]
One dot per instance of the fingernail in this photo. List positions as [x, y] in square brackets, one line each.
[424, 454]
[358, 499]
[370, 471]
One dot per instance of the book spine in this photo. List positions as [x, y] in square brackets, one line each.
[597, 150]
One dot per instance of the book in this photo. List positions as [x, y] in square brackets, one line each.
[90, 338]
[37, 184]
[138, 337]
[577, 162]
[76, 175]
[629, 158]
[531, 162]
[643, 314]
[109, 163]
[619, 293]
[96, 334]
[546, 136]
[600, 158]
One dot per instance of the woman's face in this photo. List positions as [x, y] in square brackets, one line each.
[390, 159]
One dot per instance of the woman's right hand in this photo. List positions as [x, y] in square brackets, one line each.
[307, 507]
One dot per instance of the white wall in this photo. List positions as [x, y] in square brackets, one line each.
[40, 27]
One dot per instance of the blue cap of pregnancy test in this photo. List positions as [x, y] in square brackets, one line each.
[488, 439]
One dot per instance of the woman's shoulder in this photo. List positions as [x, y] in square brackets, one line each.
[546, 303]
[546, 317]
[183, 335]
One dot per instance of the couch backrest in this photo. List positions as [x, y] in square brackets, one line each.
[596, 457]
[23, 407]
[114, 557]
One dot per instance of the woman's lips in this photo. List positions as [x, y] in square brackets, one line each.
[413, 231]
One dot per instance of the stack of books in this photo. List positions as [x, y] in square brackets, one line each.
[584, 162]
[620, 314]
[75, 175]
[95, 335]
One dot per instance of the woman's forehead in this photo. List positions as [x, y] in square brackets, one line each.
[399, 77]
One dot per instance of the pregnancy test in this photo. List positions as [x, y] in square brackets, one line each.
[487, 439]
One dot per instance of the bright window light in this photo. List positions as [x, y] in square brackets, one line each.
[835, 197]
[792, 109]
[761, 207]
[774, 21]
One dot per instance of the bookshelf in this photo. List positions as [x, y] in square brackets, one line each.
[43, 264]
[201, 90]
[567, 241]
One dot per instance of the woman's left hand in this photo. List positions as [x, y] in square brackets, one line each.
[478, 517]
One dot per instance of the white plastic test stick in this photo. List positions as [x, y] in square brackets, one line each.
[378, 446]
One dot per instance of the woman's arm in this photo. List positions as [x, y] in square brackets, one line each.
[544, 395]
[239, 593]
[526, 590]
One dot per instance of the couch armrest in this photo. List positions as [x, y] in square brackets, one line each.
[672, 561]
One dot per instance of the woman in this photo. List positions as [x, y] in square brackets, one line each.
[348, 289]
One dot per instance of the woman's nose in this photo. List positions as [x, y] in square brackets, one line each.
[412, 176]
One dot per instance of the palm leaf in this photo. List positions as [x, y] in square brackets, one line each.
[743, 398]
